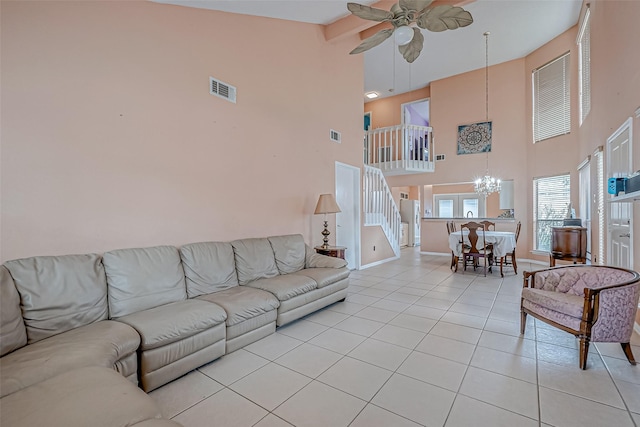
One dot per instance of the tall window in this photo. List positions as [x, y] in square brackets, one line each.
[584, 46]
[551, 197]
[551, 103]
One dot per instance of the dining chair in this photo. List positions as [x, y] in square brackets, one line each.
[474, 252]
[488, 225]
[451, 227]
[510, 258]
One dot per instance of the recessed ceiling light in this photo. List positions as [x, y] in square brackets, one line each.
[371, 95]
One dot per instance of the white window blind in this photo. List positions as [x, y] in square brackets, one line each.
[551, 100]
[551, 197]
[584, 45]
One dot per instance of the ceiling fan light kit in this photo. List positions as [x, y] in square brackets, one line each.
[401, 16]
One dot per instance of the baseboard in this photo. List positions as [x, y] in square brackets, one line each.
[373, 264]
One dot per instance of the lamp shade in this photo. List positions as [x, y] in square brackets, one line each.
[327, 204]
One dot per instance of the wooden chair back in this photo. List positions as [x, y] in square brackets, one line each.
[473, 228]
[488, 225]
[518, 225]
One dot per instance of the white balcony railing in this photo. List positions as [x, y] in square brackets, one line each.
[379, 206]
[401, 149]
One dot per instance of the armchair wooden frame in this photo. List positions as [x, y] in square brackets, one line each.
[589, 314]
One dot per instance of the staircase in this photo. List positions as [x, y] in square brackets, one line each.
[379, 206]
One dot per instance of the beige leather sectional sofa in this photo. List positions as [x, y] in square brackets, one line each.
[74, 327]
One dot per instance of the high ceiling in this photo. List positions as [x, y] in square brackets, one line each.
[517, 28]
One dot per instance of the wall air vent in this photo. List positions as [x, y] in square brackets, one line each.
[222, 89]
[439, 157]
[335, 136]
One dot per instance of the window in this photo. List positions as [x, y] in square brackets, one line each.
[551, 197]
[584, 47]
[461, 205]
[551, 103]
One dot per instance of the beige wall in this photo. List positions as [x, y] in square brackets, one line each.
[375, 246]
[110, 138]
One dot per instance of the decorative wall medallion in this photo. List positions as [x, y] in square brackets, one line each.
[474, 138]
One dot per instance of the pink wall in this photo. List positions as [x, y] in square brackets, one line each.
[615, 87]
[110, 138]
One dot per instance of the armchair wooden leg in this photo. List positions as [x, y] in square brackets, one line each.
[523, 321]
[584, 351]
[626, 347]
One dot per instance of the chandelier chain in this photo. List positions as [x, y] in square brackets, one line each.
[487, 184]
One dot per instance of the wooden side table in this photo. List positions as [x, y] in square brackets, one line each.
[334, 251]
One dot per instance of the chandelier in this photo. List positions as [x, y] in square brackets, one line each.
[487, 184]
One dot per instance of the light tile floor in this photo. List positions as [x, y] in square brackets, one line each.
[413, 345]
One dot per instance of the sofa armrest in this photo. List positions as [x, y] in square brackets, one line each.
[316, 260]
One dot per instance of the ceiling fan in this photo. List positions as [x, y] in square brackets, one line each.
[402, 15]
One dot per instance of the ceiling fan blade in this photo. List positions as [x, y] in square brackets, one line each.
[411, 50]
[445, 17]
[370, 13]
[416, 5]
[373, 41]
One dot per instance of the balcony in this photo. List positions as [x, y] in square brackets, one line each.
[400, 149]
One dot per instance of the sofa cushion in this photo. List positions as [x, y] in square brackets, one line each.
[13, 334]
[90, 396]
[285, 286]
[102, 343]
[208, 267]
[166, 324]
[569, 304]
[243, 303]
[289, 252]
[59, 293]
[254, 260]
[139, 279]
[325, 276]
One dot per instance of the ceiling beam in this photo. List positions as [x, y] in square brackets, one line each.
[351, 24]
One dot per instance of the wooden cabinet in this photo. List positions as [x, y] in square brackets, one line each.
[569, 244]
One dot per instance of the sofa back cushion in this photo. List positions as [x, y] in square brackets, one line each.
[208, 267]
[59, 293]
[139, 279]
[289, 252]
[254, 260]
[13, 334]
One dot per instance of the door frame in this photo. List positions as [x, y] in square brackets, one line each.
[355, 192]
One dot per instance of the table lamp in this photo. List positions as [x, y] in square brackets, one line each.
[326, 205]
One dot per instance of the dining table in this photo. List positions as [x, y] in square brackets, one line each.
[503, 242]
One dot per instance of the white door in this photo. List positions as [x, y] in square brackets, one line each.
[620, 229]
[348, 220]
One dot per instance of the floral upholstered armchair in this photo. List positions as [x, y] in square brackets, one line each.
[594, 303]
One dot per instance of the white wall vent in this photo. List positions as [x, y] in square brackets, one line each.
[222, 89]
[335, 136]
[439, 157]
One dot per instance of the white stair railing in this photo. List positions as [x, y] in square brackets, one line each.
[400, 149]
[379, 206]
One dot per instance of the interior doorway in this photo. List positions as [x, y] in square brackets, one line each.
[348, 220]
[416, 113]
